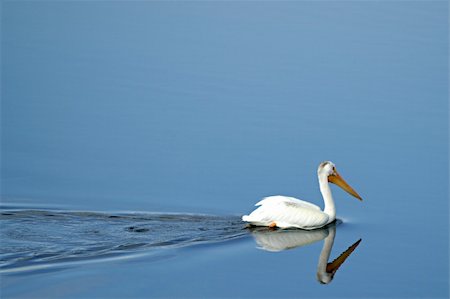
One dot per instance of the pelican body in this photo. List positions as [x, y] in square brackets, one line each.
[286, 212]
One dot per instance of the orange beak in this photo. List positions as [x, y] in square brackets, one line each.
[336, 178]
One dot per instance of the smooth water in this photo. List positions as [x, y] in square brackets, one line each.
[135, 134]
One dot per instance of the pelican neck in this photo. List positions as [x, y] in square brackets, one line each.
[329, 208]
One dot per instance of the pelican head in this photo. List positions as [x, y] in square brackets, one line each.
[328, 169]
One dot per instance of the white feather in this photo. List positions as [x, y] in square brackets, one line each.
[280, 199]
[287, 212]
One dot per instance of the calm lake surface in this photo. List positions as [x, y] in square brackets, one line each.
[135, 134]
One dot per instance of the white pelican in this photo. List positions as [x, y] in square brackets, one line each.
[284, 212]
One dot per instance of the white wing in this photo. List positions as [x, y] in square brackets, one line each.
[283, 199]
[287, 212]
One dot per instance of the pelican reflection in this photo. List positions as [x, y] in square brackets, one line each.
[278, 240]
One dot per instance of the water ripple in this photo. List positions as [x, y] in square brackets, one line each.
[32, 238]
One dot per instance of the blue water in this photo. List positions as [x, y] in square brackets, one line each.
[198, 110]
